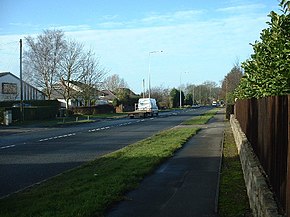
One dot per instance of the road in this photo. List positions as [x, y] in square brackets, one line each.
[31, 155]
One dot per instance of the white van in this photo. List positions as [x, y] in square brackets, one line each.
[146, 107]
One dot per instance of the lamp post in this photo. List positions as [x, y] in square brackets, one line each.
[180, 101]
[193, 95]
[21, 81]
[149, 70]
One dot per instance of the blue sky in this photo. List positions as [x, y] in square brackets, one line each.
[202, 38]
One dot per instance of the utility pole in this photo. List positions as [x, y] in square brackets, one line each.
[21, 82]
[180, 102]
[143, 88]
[193, 95]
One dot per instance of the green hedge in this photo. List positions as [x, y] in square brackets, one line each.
[38, 109]
[34, 113]
[99, 109]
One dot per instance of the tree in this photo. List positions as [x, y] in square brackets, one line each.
[92, 74]
[174, 99]
[188, 99]
[114, 82]
[51, 62]
[285, 4]
[42, 58]
[203, 93]
[161, 95]
[127, 97]
[71, 65]
[230, 83]
[267, 72]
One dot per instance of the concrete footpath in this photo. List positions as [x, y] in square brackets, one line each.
[186, 185]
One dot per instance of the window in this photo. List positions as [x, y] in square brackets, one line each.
[9, 88]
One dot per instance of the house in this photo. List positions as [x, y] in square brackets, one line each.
[107, 95]
[80, 95]
[10, 89]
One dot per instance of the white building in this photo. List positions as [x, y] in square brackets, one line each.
[10, 89]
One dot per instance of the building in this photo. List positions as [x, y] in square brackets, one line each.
[80, 94]
[10, 89]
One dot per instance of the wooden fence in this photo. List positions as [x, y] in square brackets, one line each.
[265, 122]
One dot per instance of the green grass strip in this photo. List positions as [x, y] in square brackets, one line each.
[233, 199]
[90, 189]
[201, 119]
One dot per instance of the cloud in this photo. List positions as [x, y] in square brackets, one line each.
[177, 16]
[153, 19]
[207, 48]
[19, 24]
[109, 17]
[68, 28]
[112, 25]
[242, 8]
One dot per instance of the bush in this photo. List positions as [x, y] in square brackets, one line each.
[99, 109]
[229, 110]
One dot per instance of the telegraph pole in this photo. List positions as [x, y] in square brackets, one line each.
[143, 88]
[21, 83]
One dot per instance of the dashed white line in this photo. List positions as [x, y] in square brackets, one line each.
[57, 137]
[8, 146]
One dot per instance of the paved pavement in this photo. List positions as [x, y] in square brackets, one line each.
[186, 185]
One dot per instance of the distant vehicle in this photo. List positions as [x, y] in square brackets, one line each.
[214, 103]
[146, 107]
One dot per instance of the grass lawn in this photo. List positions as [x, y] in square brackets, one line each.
[90, 189]
[77, 119]
[233, 199]
[202, 119]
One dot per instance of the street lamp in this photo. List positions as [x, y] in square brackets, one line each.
[180, 101]
[149, 69]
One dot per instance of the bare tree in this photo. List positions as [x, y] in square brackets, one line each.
[162, 96]
[230, 83]
[71, 66]
[42, 58]
[114, 83]
[91, 77]
[203, 93]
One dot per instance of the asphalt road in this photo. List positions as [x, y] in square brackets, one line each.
[31, 155]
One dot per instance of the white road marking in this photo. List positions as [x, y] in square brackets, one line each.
[57, 137]
[8, 146]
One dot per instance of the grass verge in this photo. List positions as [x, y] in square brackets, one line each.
[202, 119]
[233, 199]
[90, 189]
[77, 119]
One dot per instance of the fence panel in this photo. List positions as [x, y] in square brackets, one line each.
[265, 122]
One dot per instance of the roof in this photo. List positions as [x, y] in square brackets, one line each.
[6, 73]
[9, 73]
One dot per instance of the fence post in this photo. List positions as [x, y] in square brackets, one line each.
[288, 164]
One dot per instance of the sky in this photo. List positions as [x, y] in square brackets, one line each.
[201, 40]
